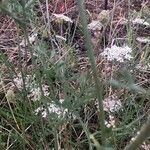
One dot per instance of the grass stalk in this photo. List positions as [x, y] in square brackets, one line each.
[144, 134]
[98, 85]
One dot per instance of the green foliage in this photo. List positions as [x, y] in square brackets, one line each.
[80, 123]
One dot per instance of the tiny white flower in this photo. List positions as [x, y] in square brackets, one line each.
[132, 139]
[112, 121]
[108, 125]
[140, 21]
[142, 67]
[143, 39]
[19, 82]
[35, 93]
[38, 110]
[32, 38]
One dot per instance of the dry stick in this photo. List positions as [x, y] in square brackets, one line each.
[104, 32]
[144, 134]
[98, 86]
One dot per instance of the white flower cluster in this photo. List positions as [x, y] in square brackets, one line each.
[111, 122]
[119, 54]
[19, 81]
[143, 67]
[140, 21]
[52, 108]
[34, 92]
[143, 40]
[112, 103]
[31, 37]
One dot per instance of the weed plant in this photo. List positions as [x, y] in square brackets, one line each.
[55, 105]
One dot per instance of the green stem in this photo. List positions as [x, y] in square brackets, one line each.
[144, 134]
[98, 86]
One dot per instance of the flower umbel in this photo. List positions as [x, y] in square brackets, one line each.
[119, 54]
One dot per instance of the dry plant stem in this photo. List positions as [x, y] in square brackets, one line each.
[98, 86]
[47, 14]
[144, 134]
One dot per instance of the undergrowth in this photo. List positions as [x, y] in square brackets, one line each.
[55, 94]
